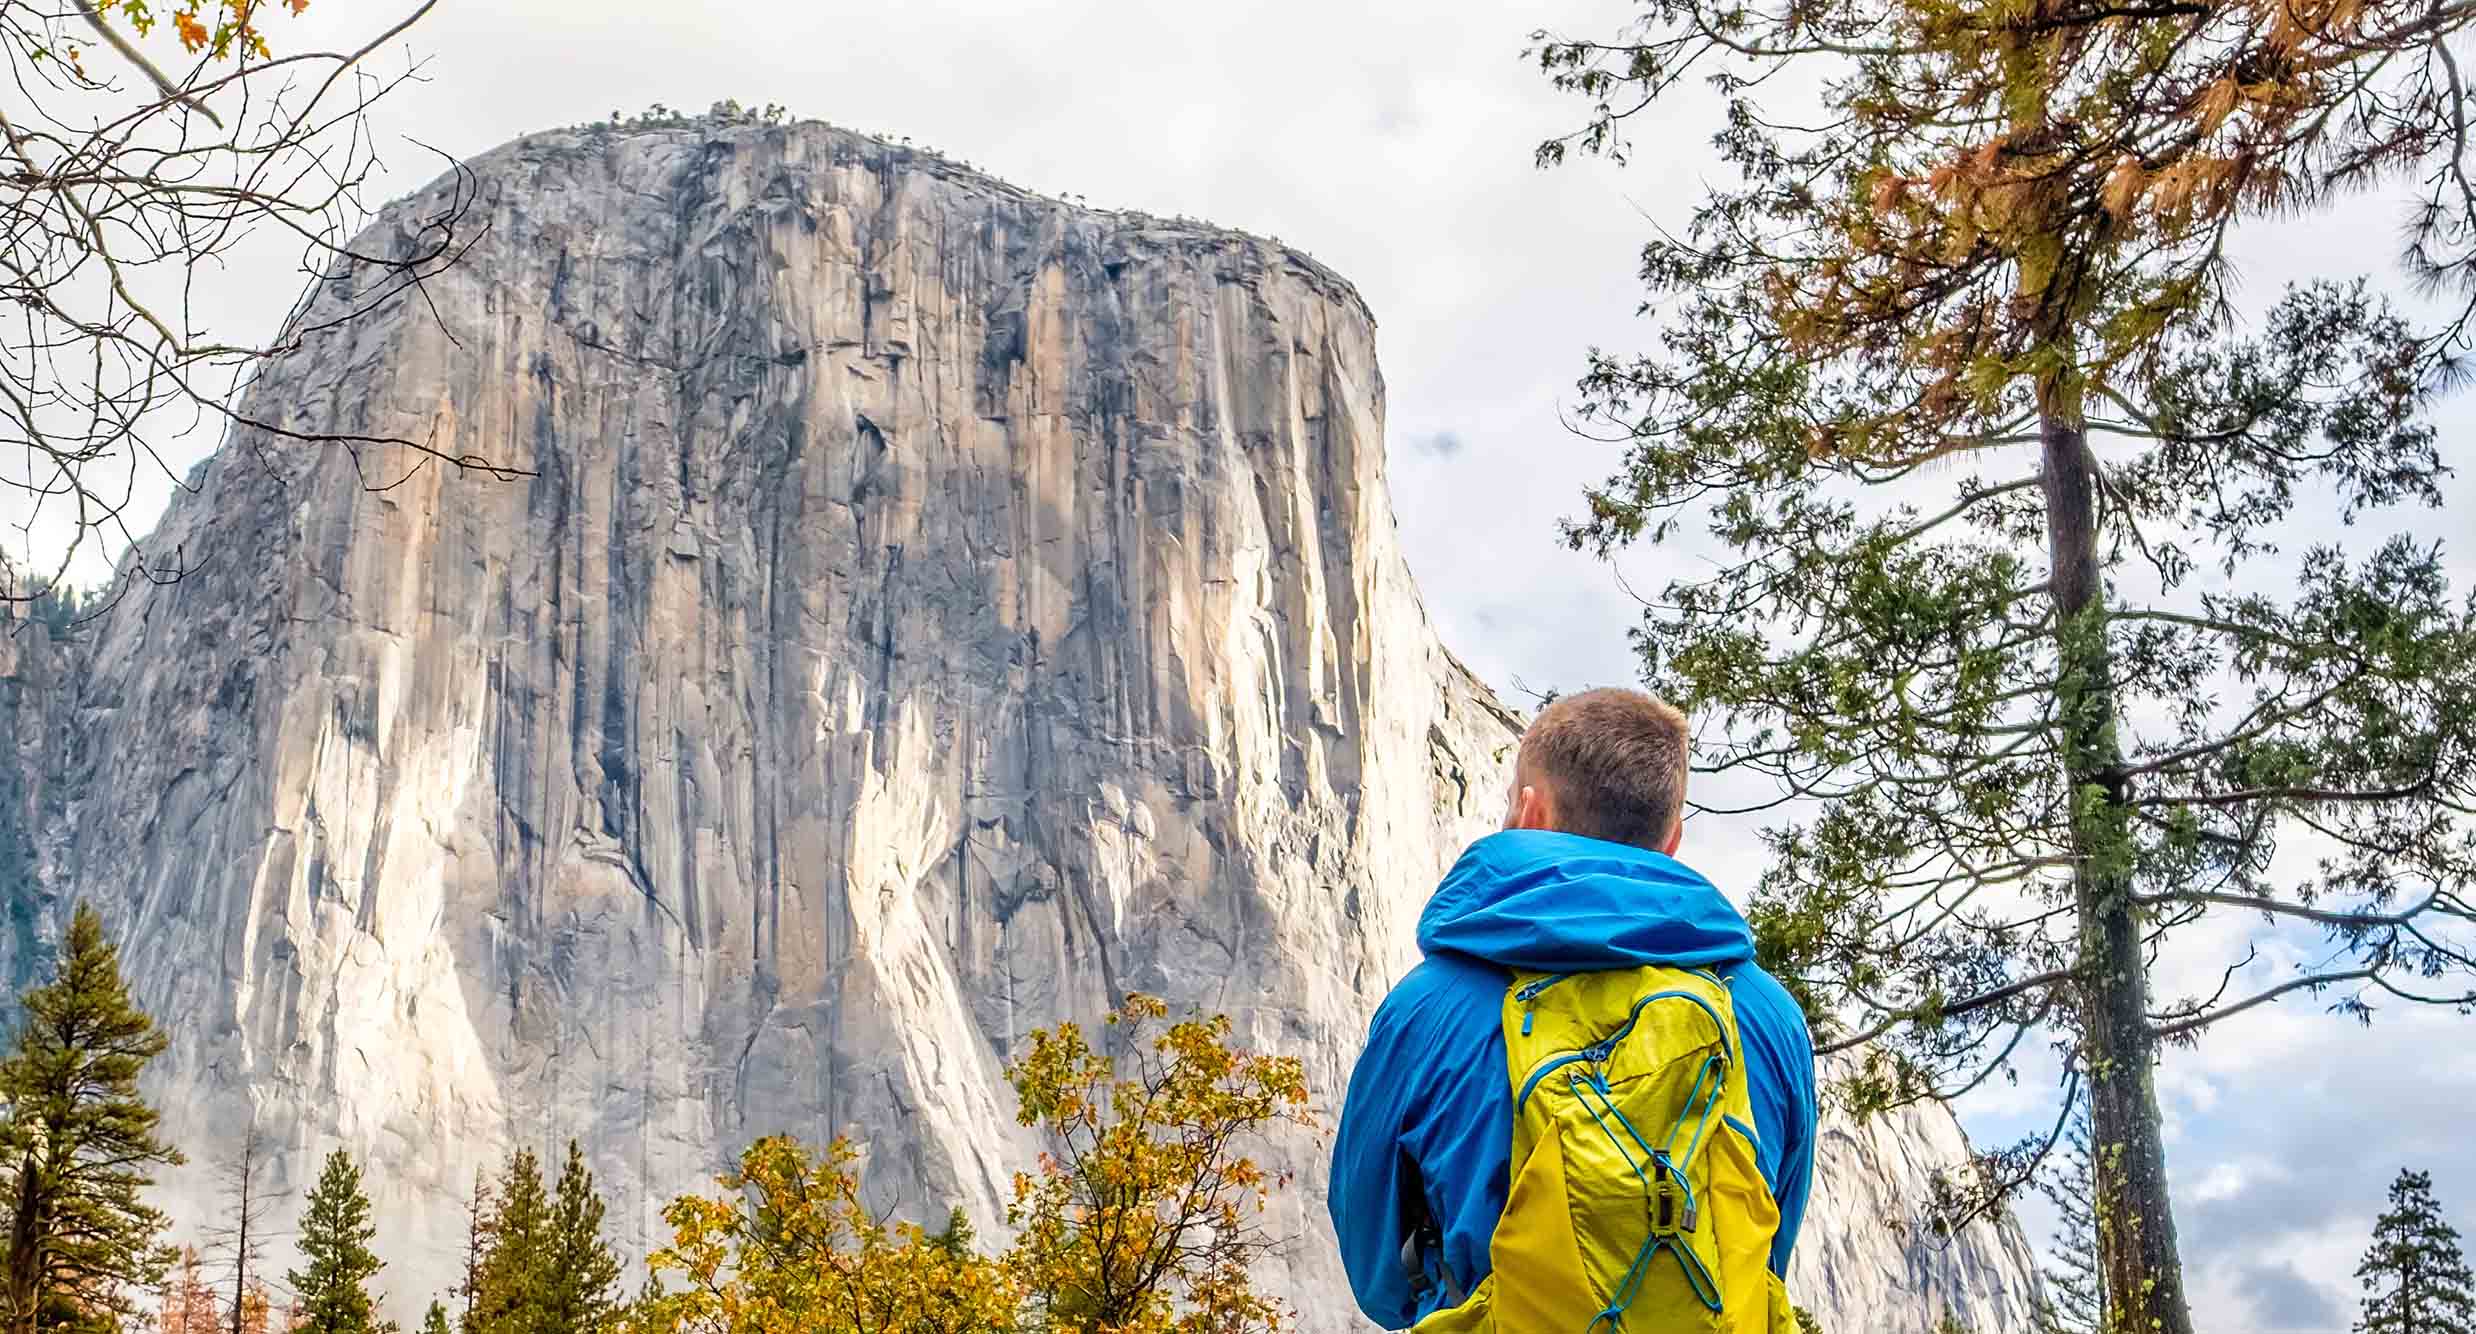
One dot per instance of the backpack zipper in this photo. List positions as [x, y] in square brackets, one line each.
[1599, 1050]
[1531, 992]
[1546, 1064]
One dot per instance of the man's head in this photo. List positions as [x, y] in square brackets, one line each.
[1607, 764]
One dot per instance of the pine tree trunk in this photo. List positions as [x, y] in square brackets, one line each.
[25, 1249]
[2137, 1260]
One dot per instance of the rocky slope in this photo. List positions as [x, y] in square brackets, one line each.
[933, 611]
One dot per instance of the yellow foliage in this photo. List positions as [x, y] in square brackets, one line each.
[1143, 1219]
[794, 1251]
[1889, 188]
[2040, 252]
[216, 28]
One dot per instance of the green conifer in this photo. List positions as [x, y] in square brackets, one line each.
[2415, 1279]
[435, 1320]
[959, 1234]
[506, 1281]
[331, 1292]
[580, 1294]
[78, 1147]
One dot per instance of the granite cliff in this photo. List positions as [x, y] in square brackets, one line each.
[934, 610]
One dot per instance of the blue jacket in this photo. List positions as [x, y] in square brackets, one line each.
[1427, 1129]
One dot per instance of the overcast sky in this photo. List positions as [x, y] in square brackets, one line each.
[1392, 141]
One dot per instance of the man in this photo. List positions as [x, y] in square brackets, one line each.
[1582, 881]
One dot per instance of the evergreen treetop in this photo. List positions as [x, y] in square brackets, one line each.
[2073, 1301]
[2415, 1279]
[513, 1252]
[545, 1268]
[581, 1289]
[78, 1146]
[331, 1291]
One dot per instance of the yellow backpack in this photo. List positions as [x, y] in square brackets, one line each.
[1637, 1203]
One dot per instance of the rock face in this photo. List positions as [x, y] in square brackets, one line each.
[934, 610]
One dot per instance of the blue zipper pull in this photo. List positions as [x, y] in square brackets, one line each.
[1531, 992]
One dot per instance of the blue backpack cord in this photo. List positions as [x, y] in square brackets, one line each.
[1696, 1275]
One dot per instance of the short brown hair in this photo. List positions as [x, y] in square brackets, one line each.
[1615, 760]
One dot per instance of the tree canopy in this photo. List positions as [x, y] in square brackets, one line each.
[1951, 384]
[544, 1266]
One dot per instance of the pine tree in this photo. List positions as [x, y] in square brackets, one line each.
[545, 1269]
[2415, 1279]
[1985, 464]
[78, 1146]
[502, 1295]
[478, 1221]
[332, 1288]
[958, 1236]
[580, 1292]
[434, 1321]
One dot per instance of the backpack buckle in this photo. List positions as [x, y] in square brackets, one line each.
[1673, 1210]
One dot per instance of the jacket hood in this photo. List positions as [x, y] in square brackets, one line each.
[1562, 903]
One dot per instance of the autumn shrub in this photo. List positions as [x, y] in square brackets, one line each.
[1144, 1215]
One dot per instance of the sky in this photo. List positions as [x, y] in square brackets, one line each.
[1393, 142]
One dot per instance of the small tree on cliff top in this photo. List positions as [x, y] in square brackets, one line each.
[1952, 377]
[2073, 1301]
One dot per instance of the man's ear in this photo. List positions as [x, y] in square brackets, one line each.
[1675, 838]
[1532, 809]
